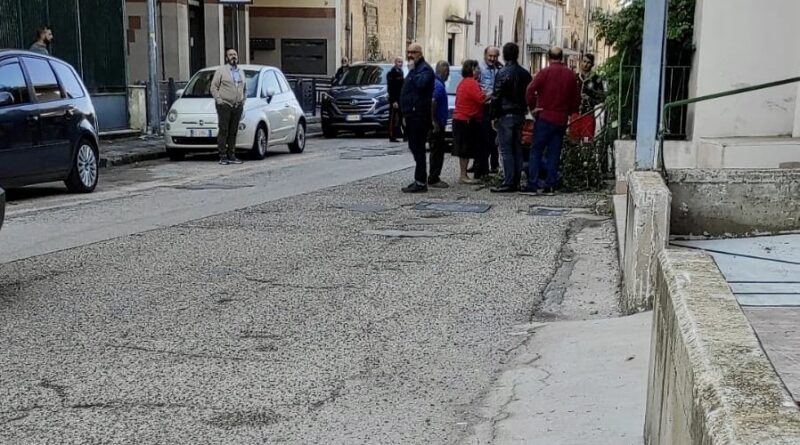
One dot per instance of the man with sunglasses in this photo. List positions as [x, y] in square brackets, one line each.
[416, 103]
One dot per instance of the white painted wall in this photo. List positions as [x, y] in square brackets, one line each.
[436, 33]
[741, 43]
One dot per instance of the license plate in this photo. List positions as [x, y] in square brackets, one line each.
[201, 133]
[353, 117]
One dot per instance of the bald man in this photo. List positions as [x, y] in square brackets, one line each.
[416, 103]
[552, 97]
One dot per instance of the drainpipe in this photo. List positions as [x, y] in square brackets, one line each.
[154, 115]
[414, 35]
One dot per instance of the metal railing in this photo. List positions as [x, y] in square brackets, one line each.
[663, 131]
[309, 90]
[676, 88]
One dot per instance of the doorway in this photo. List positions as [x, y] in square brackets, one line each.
[197, 40]
[451, 49]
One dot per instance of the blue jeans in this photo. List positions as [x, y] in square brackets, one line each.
[509, 134]
[551, 137]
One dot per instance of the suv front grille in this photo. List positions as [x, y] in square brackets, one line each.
[354, 106]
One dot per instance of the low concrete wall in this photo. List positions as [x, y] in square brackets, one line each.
[709, 380]
[677, 154]
[646, 234]
[725, 202]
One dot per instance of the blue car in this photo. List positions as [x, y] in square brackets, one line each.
[357, 101]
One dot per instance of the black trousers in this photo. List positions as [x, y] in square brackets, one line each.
[228, 118]
[487, 153]
[438, 147]
[395, 123]
[417, 129]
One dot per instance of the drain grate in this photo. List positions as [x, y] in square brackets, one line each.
[455, 207]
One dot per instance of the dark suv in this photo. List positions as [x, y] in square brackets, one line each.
[48, 126]
[358, 100]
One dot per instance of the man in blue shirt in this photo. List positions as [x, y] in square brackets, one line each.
[439, 117]
[488, 159]
[416, 101]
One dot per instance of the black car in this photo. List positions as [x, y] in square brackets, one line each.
[358, 100]
[48, 125]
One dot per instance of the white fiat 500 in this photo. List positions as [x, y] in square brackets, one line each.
[272, 115]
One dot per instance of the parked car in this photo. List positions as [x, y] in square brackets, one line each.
[2, 207]
[48, 125]
[272, 115]
[358, 100]
[451, 85]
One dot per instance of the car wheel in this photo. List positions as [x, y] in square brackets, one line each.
[260, 143]
[329, 132]
[83, 175]
[175, 154]
[299, 143]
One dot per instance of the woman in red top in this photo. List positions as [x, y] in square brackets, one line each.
[467, 117]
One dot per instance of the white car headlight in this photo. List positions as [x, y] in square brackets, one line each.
[172, 116]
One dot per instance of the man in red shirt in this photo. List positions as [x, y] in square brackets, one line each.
[552, 97]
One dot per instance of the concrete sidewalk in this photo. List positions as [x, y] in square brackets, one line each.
[129, 150]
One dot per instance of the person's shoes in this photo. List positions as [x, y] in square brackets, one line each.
[548, 191]
[415, 187]
[467, 181]
[505, 189]
[529, 191]
[224, 161]
[494, 170]
[234, 160]
[394, 140]
[438, 184]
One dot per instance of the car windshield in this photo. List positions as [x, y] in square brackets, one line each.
[200, 85]
[362, 75]
[453, 81]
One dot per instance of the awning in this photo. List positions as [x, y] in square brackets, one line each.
[460, 20]
[535, 48]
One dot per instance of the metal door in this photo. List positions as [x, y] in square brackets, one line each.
[304, 56]
[53, 149]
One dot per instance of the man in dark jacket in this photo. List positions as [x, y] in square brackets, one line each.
[394, 83]
[416, 102]
[552, 97]
[508, 113]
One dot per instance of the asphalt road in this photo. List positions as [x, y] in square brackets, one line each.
[191, 303]
[133, 199]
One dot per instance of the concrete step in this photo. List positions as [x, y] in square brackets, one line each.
[748, 152]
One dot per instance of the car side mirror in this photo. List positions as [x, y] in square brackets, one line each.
[270, 95]
[6, 99]
[179, 93]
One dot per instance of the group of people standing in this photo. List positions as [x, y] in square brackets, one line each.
[492, 102]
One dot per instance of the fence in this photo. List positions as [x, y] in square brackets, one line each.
[676, 88]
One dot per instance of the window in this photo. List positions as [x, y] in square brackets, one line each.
[282, 80]
[477, 27]
[271, 83]
[45, 85]
[71, 84]
[200, 84]
[13, 81]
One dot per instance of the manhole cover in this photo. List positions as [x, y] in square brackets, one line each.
[462, 207]
[365, 207]
[550, 211]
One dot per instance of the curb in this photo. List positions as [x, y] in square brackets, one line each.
[131, 158]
